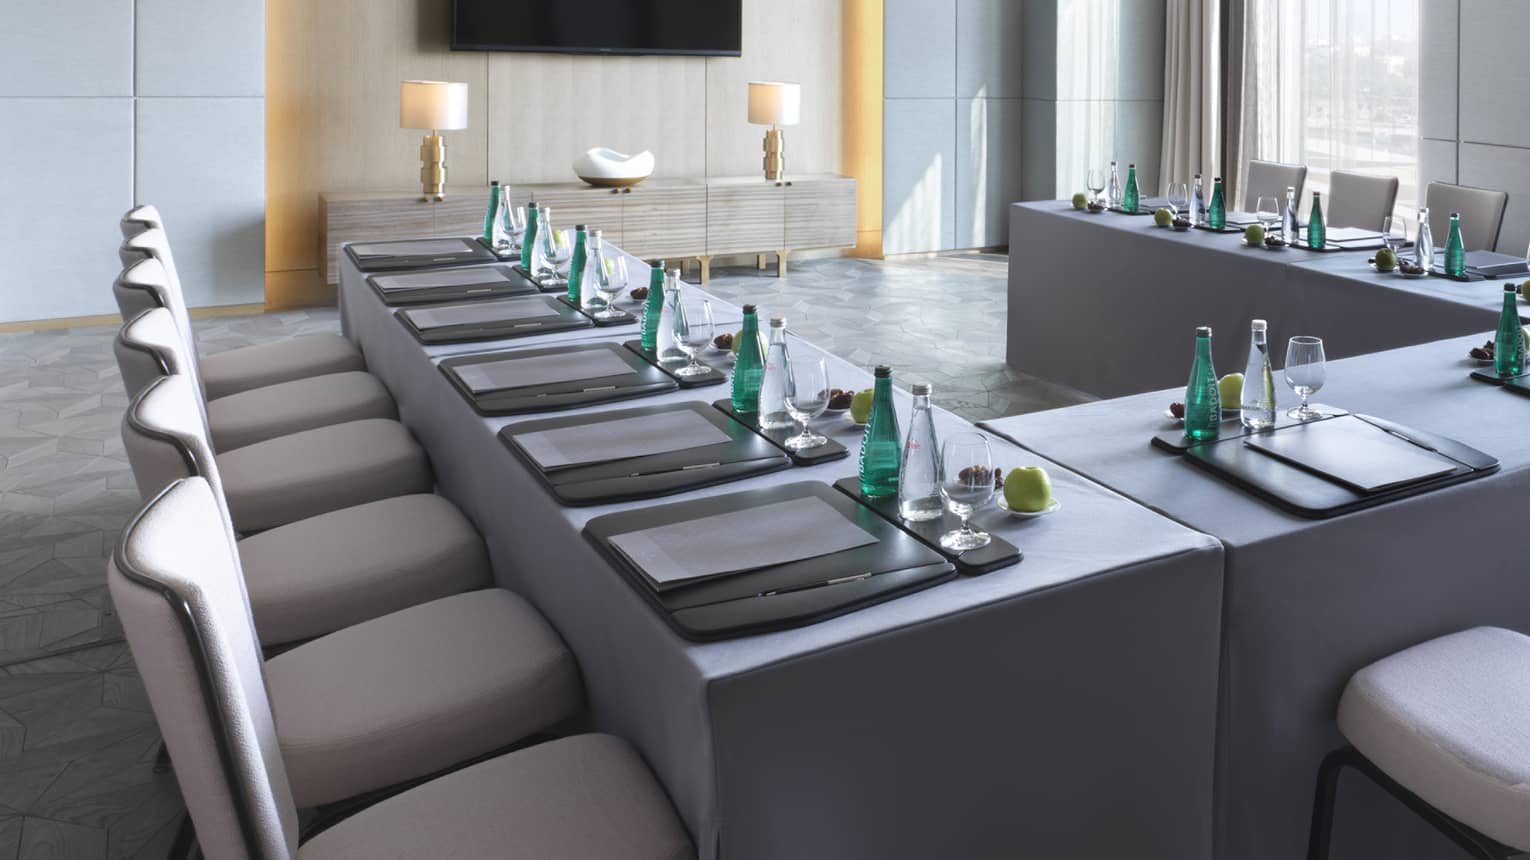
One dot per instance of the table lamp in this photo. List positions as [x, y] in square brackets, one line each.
[437, 106]
[775, 104]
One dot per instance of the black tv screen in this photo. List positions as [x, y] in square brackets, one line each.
[702, 27]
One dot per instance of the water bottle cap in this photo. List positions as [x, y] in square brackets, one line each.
[778, 322]
[1455, 215]
[494, 182]
[1290, 189]
[674, 273]
[1203, 331]
[1510, 288]
[580, 227]
[1197, 176]
[1216, 179]
[749, 310]
[595, 234]
[922, 389]
[882, 372]
[1131, 167]
[1261, 325]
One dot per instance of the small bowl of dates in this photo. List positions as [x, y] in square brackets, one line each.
[723, 342]
[1410, 270]
[638, 294]
[839, 400]
[1483, 355]
[1181, 223]
[1095, 207]
[1274, 243]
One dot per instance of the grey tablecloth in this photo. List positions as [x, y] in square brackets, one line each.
[1307, 603]
[1063, 707]
[1108, 304]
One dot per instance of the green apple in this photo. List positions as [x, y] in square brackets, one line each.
[1231, 389]
[1254, 235]
[1027, 489]
[738, 341]
[1386, 260]
[860, 406]
[1524, 290]
[1162, 217]
[1080, 200]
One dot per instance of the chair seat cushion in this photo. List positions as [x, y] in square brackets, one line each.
[295, 477]
[411, 693]
[292, 407]
[237, 370]
[322, 574]
[1450, 720]
[587, 797]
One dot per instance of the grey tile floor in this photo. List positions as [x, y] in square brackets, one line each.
[77, 740]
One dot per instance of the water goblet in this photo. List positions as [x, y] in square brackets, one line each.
[692, 336]
[1394, 232]
[1306, 372]
[966, 484]
[1095, 182]
[1268, 211]
[1179, 198]
[611, 286]
[807, 396]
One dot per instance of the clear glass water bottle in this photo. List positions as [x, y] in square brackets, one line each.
[1258, 398]
[594, 280]
[544, 267]
[1198, 203]
[773, 412]
[919, 473]
[666, 348]
[1203, 396]
[502, 230]
[1113, 190]
[1423, 244]
[1288, 220]
[1455, 249]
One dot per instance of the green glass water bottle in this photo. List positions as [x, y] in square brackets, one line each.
[1317, 236]
[529, 238]
[749, 367]
[1455, 249]
[1216, 214]
[488, 217]
[653, 308]
[881, 444]
[1129, 200]
[1203, 396]
[576, 264]
[1509, 346]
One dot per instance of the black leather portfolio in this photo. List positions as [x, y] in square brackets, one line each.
[393, 255]
[515, 382]
[713, 376]
[399, 289]
[496, 320]
[879, 561]
[829, 450]
[998, 553]
[640, 453]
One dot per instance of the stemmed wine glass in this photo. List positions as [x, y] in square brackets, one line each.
[1095, 182]
[1268, 211]
[1394, 232]
[509, 226]
[1179, 198]
[966, 483]
[692, 337]
[611, 286]
[807, 396]
[1305, 373]
[558, 253]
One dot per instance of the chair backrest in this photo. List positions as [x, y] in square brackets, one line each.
[1481, 214]
[174, 581]
[1359, 200]
[139, 219]
[148, 347]
[146, 271]
[1271, 179]
[165, 438]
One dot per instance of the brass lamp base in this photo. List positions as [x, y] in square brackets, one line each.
[775, 154]
[433, 166]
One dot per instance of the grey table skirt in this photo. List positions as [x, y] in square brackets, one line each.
[1063, 707]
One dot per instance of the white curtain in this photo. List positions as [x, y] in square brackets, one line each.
[1192, 91]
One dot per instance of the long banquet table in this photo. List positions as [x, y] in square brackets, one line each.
[1108, 303]
[1309, 602]
[1063, 707]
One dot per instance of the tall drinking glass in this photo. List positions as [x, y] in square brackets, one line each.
[1095, 182]
[692, 336]
[1268, 210]
[807, 396]
[966, 483]
[1305, 373]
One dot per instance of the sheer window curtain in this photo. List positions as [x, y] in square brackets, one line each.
[1192, 90]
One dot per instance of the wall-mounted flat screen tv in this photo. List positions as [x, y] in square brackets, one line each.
[697, 27]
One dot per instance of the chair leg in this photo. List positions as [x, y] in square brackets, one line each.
[1323, 800]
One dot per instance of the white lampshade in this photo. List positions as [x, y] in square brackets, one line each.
[441, 105]
[774, 103]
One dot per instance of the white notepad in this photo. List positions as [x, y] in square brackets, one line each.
[481, 312]
[540, 370]
[410, 248]
[440, 278]
[620, 439]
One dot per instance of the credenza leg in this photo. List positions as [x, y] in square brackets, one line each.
[706, 268]
[781, 263]
[759, 262]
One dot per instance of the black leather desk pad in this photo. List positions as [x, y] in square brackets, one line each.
[489, 288]
[1176, 442]
[512, 255]
[624, 319]
[713, 376]
[999, 552]
[1517, 384]
[780, 596]
[829, 450]
[471, 252]
[565, 320]
[1307, 494]
[651, 475]
[546, 287]
[644, 381]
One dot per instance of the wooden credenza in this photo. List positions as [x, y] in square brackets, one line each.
[670, 219]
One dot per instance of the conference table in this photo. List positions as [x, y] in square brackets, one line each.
[1308, 602]
[1061, 707]
[1109, 303]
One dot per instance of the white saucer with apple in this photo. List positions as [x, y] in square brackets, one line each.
[1028, 493]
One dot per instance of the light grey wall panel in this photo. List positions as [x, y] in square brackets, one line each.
[919, 49]
[988, 48]
[989, 155]
[1038, 142]
[70, 179]
[1506, 168]
[201, 48]
[1436, 162]
[1038, 52]
[65, 48]
[918, 175]
[1140, 74]
[202, 162]
[1139, 140]
[1438, 66]
[1495, 71]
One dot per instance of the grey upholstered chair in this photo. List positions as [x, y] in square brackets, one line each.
[317, 575]
[1481, 214]
[255, 414]
[173, 580]
[1271, 179]
[1445, 727]
[1359, 200]
[304, 474]
[235, 370]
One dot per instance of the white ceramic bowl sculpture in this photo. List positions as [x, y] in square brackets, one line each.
[608, 168]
